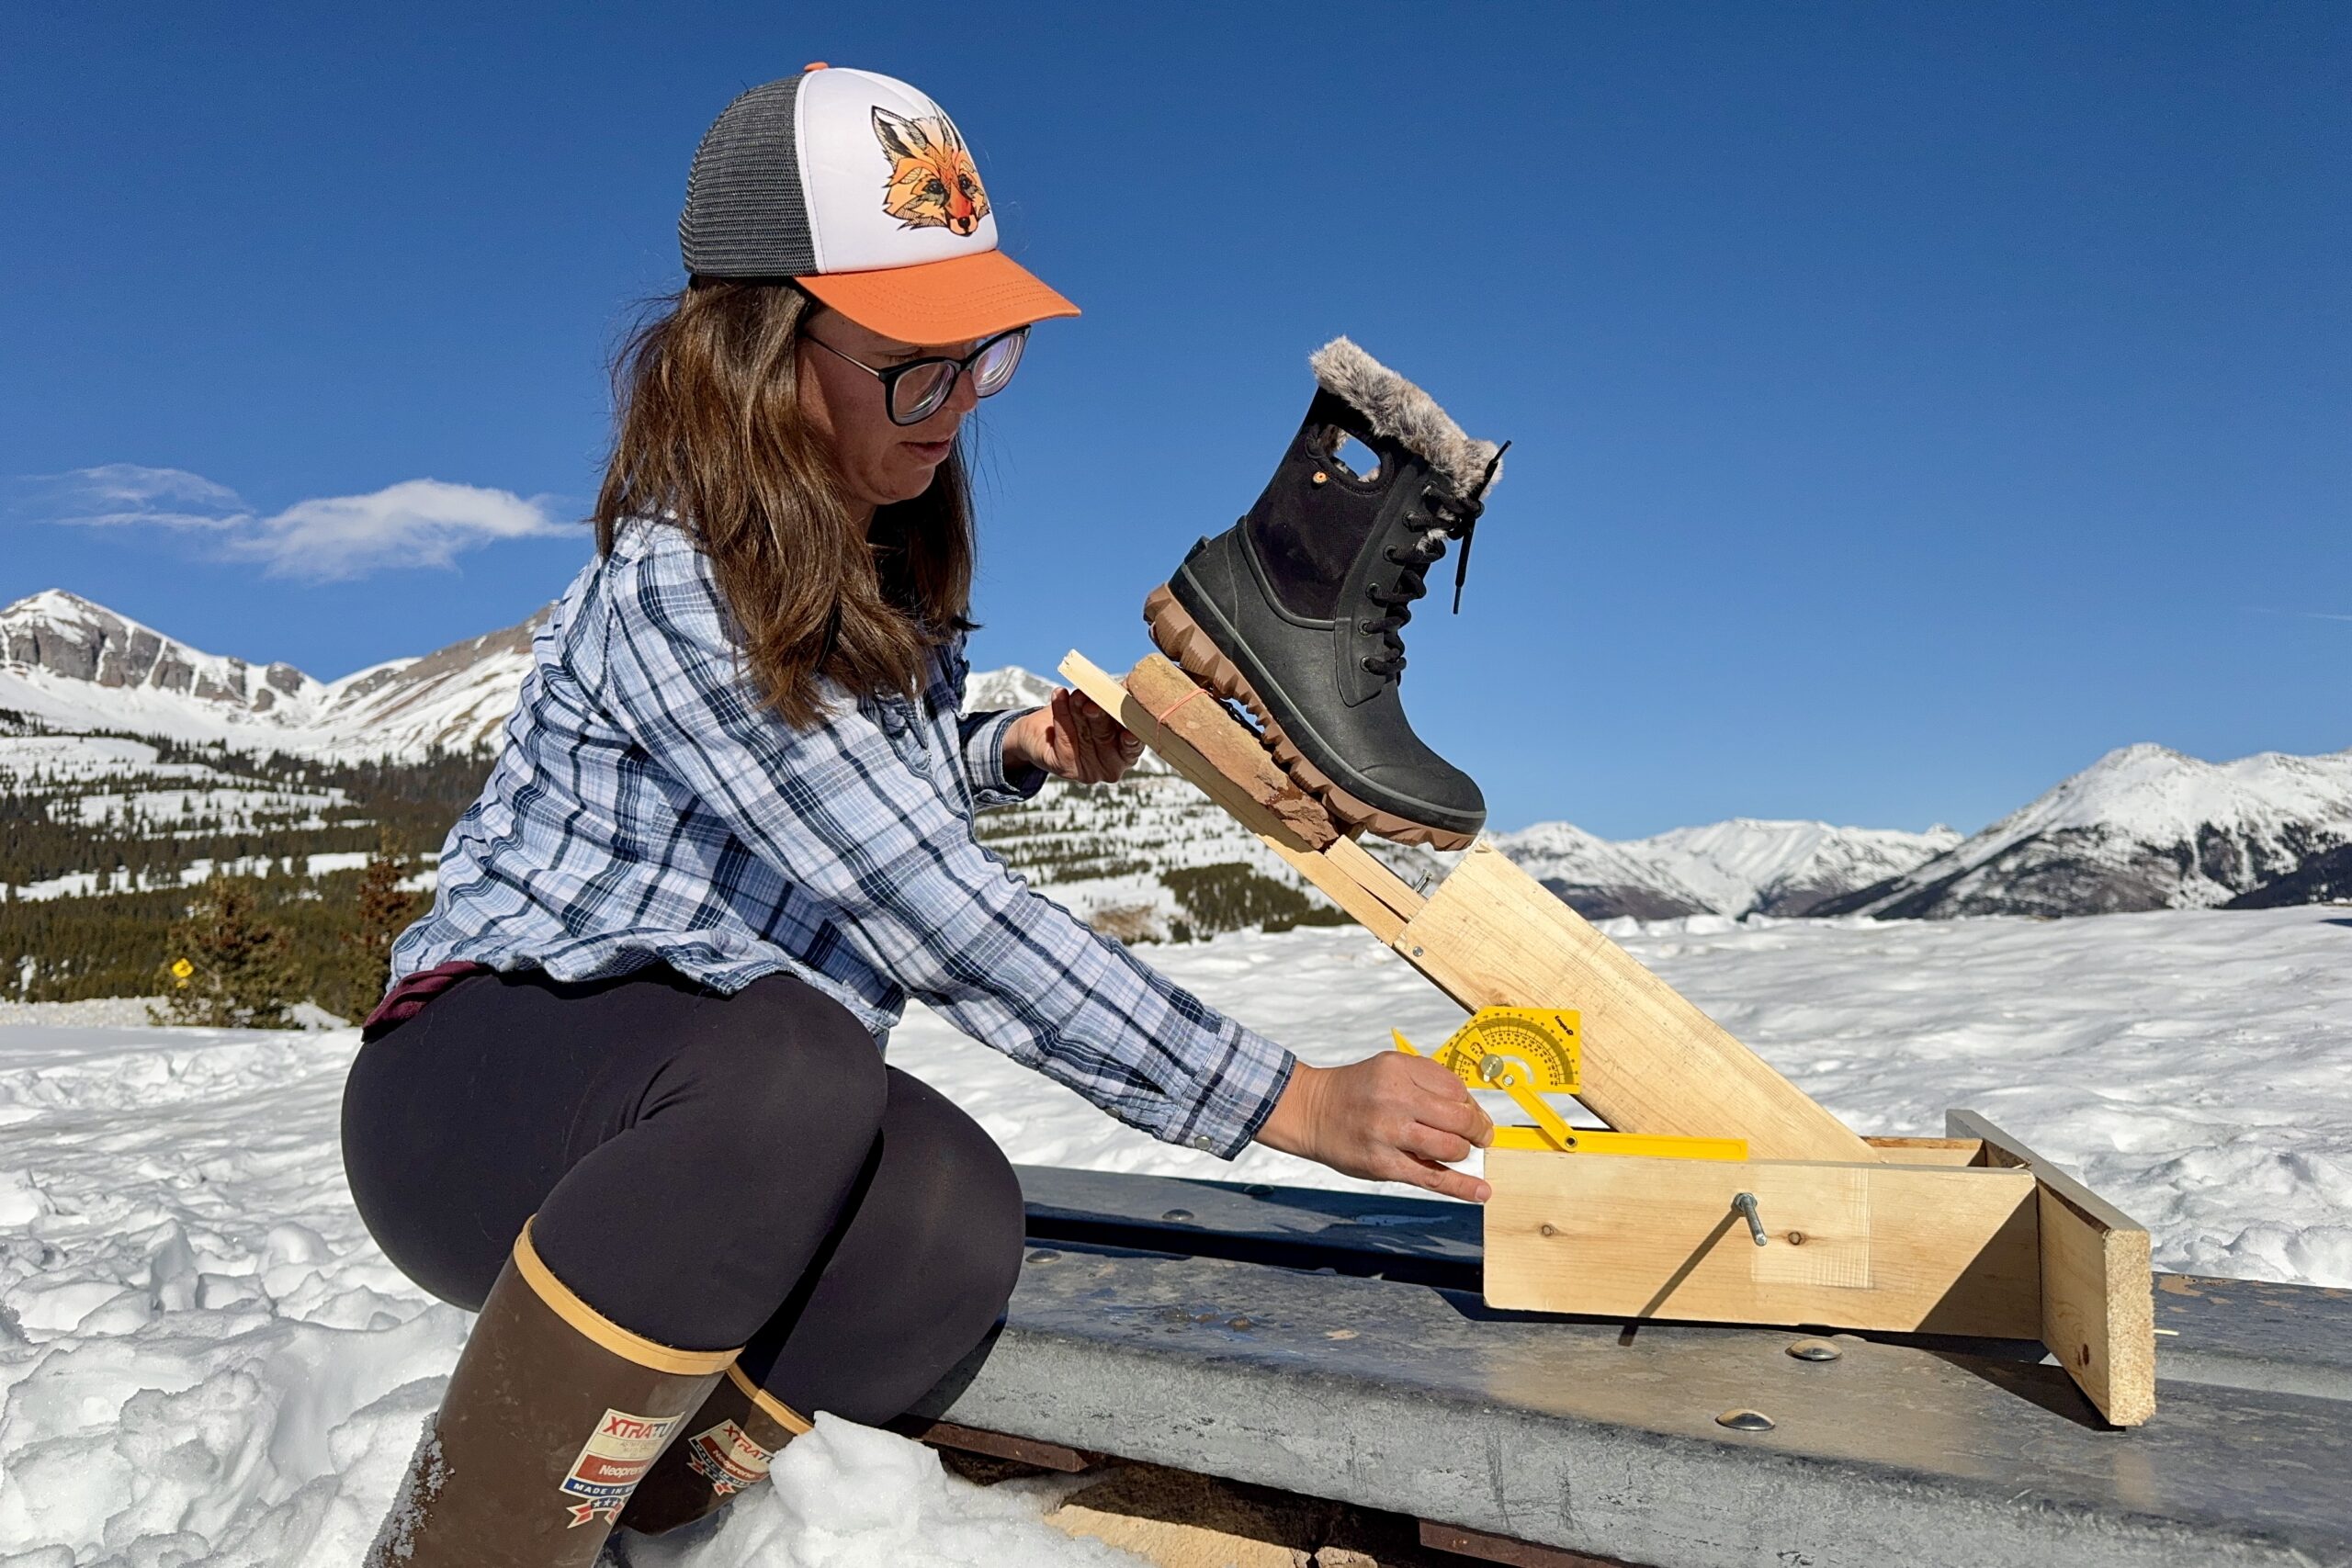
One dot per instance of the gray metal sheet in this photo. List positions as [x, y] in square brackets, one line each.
[2233, 1333]
[1585, 1435]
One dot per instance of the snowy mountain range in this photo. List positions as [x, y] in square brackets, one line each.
[2143, 828]
[73, 665]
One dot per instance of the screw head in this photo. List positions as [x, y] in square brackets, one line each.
[1177, 1216]
[1744, 1420]
[1814, 1350]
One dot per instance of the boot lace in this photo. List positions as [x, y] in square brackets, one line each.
[1446, 517]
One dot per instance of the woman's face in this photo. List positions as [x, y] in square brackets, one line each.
[880, 461]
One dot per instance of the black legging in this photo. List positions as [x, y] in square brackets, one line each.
[707, 1171]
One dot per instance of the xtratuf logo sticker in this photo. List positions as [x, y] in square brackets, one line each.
[612, 1462]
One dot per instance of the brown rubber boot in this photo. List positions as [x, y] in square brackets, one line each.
[727, 1447]
[552, 1416]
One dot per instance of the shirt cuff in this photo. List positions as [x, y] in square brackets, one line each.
[1236, 1102]
[984, 765]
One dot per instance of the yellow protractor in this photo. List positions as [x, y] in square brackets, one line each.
[1528, 1053]
[1542, 1042]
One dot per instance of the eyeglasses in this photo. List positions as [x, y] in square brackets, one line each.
[914, 391]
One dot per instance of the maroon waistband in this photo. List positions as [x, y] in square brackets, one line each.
[407, 999]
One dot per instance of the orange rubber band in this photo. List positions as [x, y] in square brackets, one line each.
[1161, 718]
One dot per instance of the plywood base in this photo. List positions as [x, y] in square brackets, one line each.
[1931, 1248]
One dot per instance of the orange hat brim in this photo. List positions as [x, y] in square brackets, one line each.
[942, 302]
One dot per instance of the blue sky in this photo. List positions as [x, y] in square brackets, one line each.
[1911, 402]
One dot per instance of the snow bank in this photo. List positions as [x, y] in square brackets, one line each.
[205, 1361]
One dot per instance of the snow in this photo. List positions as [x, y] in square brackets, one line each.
[204, 1360]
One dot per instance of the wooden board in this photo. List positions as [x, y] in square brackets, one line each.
[1929, 1248]
[1493, 936]
[2098, 1296]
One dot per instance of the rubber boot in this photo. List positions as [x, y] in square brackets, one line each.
[727, 1447]
[1298, 610]
[552, 1416]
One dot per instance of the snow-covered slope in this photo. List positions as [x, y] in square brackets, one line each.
[1740, 867]
[2143, 828]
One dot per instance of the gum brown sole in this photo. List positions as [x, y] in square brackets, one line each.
[1182, 638]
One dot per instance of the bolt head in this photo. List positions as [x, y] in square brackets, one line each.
[1744, 1420]
[1814, 1350]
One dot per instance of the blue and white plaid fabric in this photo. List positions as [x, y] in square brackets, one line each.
[646, 808]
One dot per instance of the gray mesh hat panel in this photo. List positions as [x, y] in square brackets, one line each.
[746, 215]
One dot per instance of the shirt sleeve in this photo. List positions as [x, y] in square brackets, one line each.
[838, 809]
[992, 783]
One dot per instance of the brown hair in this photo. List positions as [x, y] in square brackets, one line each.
[710, 431]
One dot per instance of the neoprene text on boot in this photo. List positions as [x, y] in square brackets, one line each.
[552, 1416]
[1298, 610]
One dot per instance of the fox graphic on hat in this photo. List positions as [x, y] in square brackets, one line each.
[859, 188]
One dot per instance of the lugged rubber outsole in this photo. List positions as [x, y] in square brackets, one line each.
[1183, 639]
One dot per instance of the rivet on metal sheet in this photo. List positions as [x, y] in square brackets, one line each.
[1745, 1203]
[1814, 1350]
[1177, 1216]
[1744, 1420]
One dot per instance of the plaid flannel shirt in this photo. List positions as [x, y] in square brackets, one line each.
[646, 808]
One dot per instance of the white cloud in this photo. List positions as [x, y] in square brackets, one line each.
[325, 538]
[117, 494]
[415, 523]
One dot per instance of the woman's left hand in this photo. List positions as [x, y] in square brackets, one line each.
[1072, 738]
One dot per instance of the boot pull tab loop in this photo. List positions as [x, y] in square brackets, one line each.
[1461, 561]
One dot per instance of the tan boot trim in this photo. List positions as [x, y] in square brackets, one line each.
[776, 1409]
[593, 1325]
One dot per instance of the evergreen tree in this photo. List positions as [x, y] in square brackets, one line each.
[229, 968]
[381, 909]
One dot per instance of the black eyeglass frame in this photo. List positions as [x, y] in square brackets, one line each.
[890, 375]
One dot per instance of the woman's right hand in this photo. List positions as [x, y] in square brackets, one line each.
[1387, 1118]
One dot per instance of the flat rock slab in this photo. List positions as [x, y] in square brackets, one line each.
[1600, 1438]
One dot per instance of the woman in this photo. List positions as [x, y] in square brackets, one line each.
[624, 1095]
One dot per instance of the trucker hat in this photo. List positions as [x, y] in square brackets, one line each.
[861, 190]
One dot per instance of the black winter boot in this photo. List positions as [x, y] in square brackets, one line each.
[1298, 610]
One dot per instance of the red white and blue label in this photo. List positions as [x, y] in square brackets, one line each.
[611, 1463]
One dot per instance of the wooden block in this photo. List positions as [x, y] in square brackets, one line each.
[1229, 748]
[1238, 801]
[1929, 1248]
[2098, 1295]
[1493, 936]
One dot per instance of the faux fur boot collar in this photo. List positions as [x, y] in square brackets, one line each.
[1405, 414]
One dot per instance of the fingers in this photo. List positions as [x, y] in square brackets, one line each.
[1452, 1183]
[1459, 1114]
[1086, 742]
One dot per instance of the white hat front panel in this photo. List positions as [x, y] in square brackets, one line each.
[888, 178]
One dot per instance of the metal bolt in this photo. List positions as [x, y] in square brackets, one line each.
[1745, 1203]
[1814, 1350]
[1042, 1255]
[1417, 953]
[1177, 1215]
[1744, 1420]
